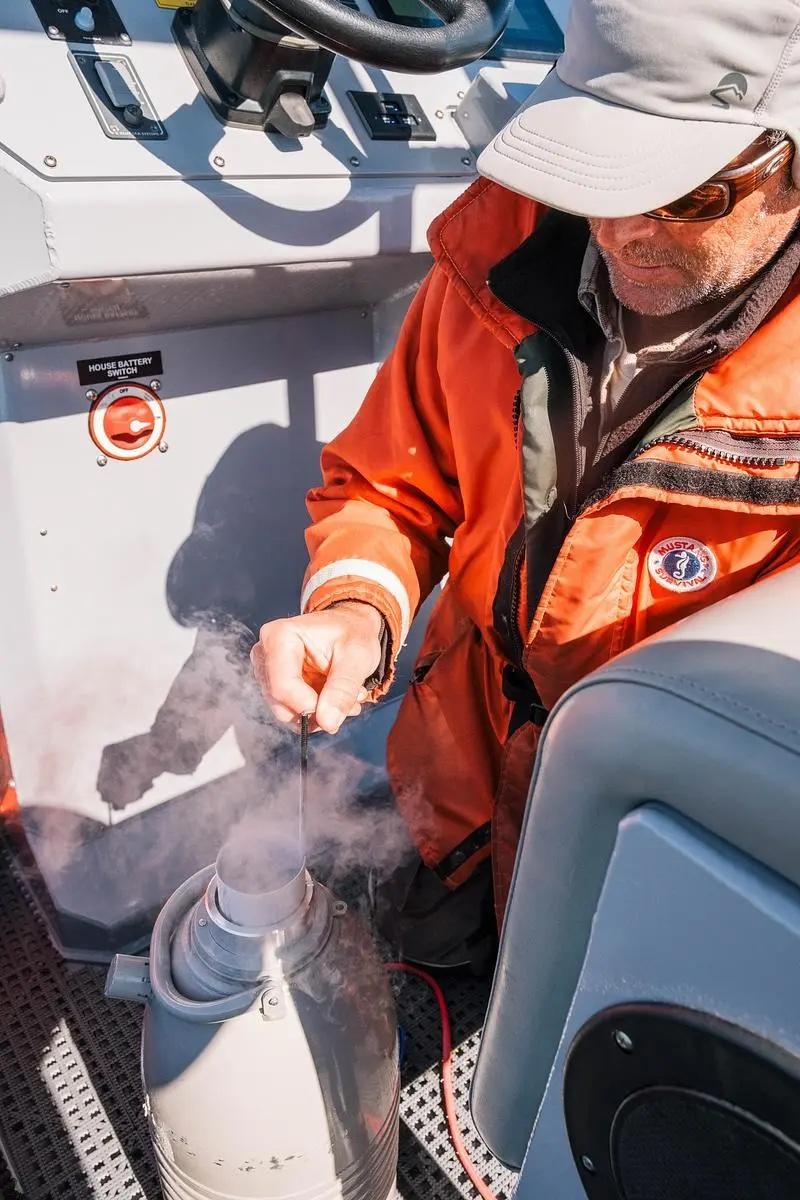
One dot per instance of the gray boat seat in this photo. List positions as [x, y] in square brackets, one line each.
[645, 1012]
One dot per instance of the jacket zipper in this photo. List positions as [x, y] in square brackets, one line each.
[516, 576]
[704, 443]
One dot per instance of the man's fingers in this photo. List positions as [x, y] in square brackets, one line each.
[278, 667]
[345, 683]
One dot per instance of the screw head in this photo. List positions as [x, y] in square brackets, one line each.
[218, 160]
[50, 160]
[163, 448]
[461, 95]
[466, 160]
[101, 460]
[155, 384]
[43, 533]
[54, 31]
[53, 587]
[623, 1041]
[9, 357]
[91, 395]
[125, 39]
[202, 922]
[439, 113]
[588, 1165]
[273, 1002]
[355, 161]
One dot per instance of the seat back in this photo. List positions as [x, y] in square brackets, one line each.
[704, 719]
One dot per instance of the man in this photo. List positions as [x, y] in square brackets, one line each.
[608, 429]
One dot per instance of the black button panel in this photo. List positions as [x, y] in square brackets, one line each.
[392, 117]
[82, 21]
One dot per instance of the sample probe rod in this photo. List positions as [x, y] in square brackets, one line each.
[303, 777]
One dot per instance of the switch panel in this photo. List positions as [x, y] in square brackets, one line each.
[82, 21]
[393, 117]
[117, 95]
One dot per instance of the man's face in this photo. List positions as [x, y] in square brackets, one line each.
[660, 267]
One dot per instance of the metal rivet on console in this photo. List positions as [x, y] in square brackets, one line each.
[439, 113]
[155, 384]
[354, 161]
[8, 357]
[54, 31]
[91, 395]
[50, 160]
[53, 587]
[467, 161]
[218, 160]
[163, 447]
[43, 532]
[101, 460]
[273, 1001]
[623, 1041]
[203, 922]
[461, 95]
[125, 39]
[587, 1164]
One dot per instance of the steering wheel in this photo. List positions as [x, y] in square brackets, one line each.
[471, 28]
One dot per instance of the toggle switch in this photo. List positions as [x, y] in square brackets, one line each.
[84, 19]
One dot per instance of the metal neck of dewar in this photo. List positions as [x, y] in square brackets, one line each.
[266, 902]
[235, 937]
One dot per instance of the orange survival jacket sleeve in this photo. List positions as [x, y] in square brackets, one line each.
[390, 496]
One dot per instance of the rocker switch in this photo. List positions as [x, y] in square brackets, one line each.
[115, 84]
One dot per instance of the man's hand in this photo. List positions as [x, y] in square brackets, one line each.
[317, 664]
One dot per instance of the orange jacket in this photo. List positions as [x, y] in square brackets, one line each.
[691, 514]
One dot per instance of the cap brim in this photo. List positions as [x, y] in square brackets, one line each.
[587, 156]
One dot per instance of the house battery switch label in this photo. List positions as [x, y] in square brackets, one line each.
[128, 366]
[127, 421]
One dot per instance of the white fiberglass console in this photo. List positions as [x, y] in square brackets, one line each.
[189, 310]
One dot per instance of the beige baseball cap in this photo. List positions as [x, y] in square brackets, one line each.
[649, 100]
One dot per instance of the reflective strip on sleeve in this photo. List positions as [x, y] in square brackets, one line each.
[362, 568]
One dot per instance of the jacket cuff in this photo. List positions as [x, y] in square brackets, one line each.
[335, 585]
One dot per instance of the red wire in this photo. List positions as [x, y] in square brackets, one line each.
[447, 1080]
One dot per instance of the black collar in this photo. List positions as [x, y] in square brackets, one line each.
[539, 280]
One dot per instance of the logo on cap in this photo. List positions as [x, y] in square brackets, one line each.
[733, 85]
[682, 564]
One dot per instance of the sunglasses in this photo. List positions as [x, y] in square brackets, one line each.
[717, 197]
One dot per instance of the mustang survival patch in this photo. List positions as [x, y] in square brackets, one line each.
[682, 564]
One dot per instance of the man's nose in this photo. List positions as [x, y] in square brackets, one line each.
[613, 233]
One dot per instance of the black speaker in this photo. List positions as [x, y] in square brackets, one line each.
[665, 1103]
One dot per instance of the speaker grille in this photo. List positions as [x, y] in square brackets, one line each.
[666, 1103]
[675, 1145]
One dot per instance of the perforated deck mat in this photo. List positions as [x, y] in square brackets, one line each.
[70, 1098]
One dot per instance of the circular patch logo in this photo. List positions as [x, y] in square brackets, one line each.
[682, 564]
[127, 421]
